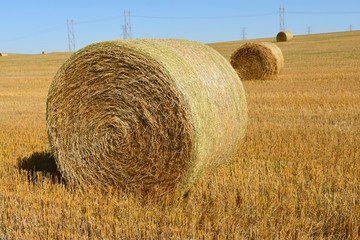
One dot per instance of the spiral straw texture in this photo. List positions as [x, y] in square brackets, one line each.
[144, 114]
[257, 61]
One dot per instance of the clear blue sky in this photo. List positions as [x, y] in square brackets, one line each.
[32, 26]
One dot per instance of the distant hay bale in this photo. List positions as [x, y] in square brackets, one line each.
[144, 114]
[44, 52]
[3, 54]
[284, 36]
[255, 61]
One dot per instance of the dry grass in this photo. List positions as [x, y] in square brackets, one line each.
[297, 178]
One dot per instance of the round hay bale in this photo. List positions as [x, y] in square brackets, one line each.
[144, 114]
[44, 52]
[255, 61]
[284, 36]
[3, 54]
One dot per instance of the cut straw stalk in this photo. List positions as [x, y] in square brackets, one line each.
[257, 61]
[144, 114]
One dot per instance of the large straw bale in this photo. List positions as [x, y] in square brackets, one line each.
[44, 52]
[144, 114]
[257, 61]
[3, 54]
[284, 36]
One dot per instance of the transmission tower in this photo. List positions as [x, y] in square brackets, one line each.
[244, 33]
[308, 29]
[71, 34]
[126, 28]
[350, 27]
[282, 18]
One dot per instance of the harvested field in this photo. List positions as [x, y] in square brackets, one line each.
[297, 175]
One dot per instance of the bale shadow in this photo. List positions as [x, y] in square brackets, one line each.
[40, 165]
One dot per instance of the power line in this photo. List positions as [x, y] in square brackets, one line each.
[175, 17]
[351, 12]
[205, 17]
[210, 17]
[99, 20]
[35, 34]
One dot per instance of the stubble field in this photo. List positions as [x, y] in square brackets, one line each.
[296, 176]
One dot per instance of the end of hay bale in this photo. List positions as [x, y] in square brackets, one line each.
[257, 61]
[44, 52]
[144, 114]
[284, 36]
[3, 54]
